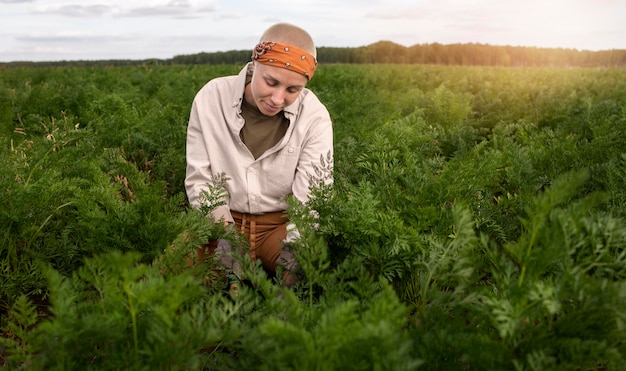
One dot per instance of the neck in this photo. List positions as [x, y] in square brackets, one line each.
[247, 95]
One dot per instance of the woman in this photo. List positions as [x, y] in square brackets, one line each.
[267, 133]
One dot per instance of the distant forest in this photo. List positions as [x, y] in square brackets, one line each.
[391, 53]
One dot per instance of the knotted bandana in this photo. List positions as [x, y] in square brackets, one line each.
[285, 56]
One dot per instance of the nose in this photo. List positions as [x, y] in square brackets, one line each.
[278, 97]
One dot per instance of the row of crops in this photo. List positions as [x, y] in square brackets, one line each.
[477, 221]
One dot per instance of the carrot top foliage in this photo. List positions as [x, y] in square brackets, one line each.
[477, 221]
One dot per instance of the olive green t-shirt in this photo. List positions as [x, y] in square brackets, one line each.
[260, 132]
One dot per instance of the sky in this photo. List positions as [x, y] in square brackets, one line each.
[55, 30]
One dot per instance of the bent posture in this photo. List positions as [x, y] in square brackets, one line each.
[267, 133]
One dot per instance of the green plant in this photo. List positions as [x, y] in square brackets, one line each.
[476, 221]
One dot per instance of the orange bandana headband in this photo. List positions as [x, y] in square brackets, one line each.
[285, 56]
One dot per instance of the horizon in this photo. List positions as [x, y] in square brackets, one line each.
[318, 47]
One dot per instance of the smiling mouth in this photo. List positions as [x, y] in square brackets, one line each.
[271, 107]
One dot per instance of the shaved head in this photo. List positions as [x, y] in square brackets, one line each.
[289, 34]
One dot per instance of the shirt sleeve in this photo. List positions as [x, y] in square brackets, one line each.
[199, 173]
[315, 164]
[316, 158]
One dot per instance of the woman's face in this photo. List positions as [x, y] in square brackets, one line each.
[273, 88]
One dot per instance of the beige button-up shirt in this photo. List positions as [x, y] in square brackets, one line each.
[254, 186]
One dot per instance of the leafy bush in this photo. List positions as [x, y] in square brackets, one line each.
[476, 221]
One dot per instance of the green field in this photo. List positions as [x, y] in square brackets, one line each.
[477, 222]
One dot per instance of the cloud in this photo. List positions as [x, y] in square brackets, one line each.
[61, 29]
[406, 12]
[77, 10]
[175, 8]
[231, 15]
[172, 8]
[70, 38]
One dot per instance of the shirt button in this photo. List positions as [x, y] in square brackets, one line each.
[290, 149]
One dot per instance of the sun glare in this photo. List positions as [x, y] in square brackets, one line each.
[563, 23]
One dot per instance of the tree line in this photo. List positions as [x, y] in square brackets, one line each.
[387, 52]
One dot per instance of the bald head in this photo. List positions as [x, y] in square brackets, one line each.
[289, 34]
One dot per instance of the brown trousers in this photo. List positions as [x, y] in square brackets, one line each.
[264, 233]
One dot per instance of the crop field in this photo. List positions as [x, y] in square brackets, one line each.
[477, 222]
